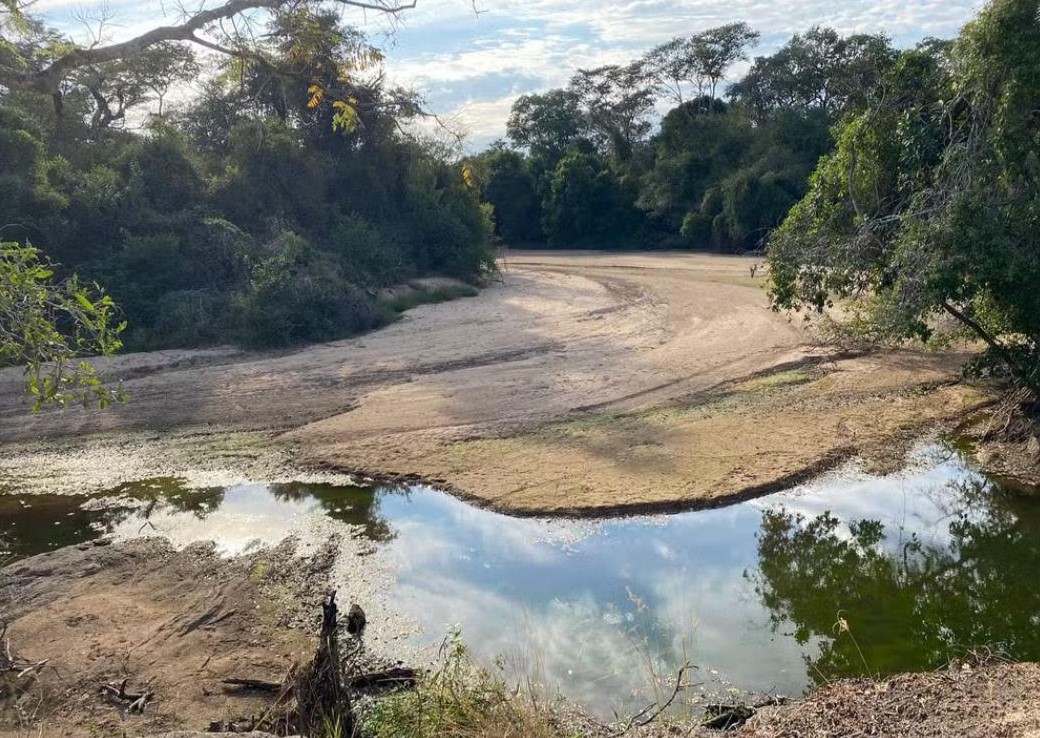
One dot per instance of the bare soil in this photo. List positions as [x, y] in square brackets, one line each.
[581, 383]
[172, 622]
[994, 701]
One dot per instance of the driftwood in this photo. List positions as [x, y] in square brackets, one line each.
[18, 678]
[653, 711]
[322, 697]
[310, 699]
[237, 684]
[731, 717]
[10, 663]
[134, 702]
[398, 676]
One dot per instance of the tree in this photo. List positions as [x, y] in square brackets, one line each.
[506, 182]
[588, 205]
[616, 100]
[32, 60]
[163, 65]
[931, 202]
[672, 67]
[717, 49]
[48, 326]
[700, 61]
[546, 125]
[817, 70]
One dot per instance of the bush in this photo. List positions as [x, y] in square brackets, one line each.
[365, 251]
[300, 295]
[458, 699]
[190, 318]
[696, 229]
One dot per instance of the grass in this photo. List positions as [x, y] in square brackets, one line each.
[459, 699]
[408, 300]
[771, 381]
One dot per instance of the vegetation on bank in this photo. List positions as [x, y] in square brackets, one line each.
[267, 209]
[587, 166]
[907, 182]
[930, 204]
[273, 205]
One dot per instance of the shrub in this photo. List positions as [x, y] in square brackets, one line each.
[458, 699]
[364, 250]
[300, 295]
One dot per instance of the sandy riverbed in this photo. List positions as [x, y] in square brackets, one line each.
[579, 383]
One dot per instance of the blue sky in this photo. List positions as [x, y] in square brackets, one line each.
[472, 62]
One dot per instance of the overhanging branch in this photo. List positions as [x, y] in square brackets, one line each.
[48, 80]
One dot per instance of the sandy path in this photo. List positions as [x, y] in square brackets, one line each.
[474, 392]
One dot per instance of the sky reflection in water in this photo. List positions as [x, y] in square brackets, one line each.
[748, 593]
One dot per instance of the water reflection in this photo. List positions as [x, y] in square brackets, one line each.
[237, 518]
[914, 597]
[922, 565]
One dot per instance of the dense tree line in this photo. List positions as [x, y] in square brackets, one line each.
[267, 209]
[929, 206]
[585, 165]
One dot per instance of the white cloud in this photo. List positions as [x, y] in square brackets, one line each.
[473, 59]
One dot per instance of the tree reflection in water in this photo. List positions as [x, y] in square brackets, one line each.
[352, 505]
[913, 599]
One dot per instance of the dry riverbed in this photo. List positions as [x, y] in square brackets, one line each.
[582, 384]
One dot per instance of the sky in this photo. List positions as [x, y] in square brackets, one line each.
[473, 58]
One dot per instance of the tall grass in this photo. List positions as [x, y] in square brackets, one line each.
[459, 699]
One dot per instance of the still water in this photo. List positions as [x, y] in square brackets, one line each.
[922, 566]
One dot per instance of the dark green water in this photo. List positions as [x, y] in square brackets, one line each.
[923, 566]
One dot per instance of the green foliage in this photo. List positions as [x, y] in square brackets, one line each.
[818, 70]
[47, 326]
[547, 125]
[931, 202]
[188, 225]
[716, 175]
[911, 605]
[587, 205]
[509, 185]
[298, 294]
[459, 699]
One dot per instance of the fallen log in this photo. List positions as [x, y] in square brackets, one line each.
[398, 676]
[251, 685]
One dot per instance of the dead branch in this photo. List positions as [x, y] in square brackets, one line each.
[238, 684]
[641, 719]
[133, 702]
[400, 676]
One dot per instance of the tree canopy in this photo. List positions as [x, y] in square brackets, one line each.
[930, 202]
[725, 163]
[267, 209]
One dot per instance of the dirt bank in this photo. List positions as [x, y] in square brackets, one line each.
[995, 701]
[172, 622]
[580, 383]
